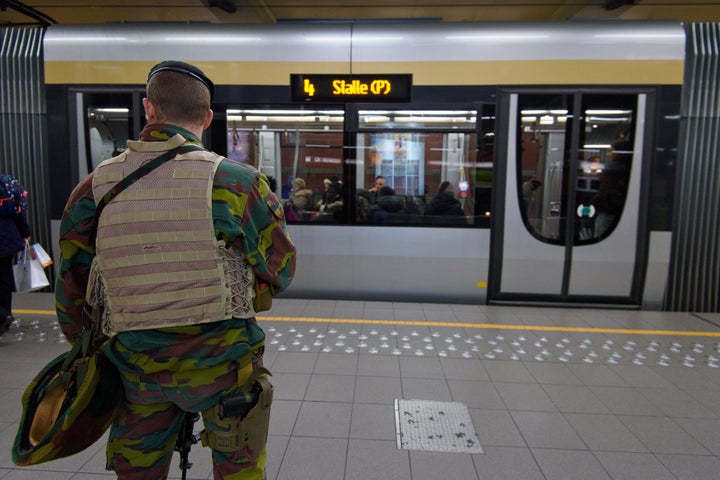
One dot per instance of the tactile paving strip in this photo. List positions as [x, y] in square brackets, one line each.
[492, 345]
[435, 426]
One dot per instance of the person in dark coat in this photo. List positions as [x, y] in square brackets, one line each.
[444, 203]
[387, 203]
[14, 231]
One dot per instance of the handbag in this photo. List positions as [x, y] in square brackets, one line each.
[28, 272]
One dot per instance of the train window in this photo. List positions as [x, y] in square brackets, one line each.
[417, 175]
[109, 124]
[601, 153]
[302, 150]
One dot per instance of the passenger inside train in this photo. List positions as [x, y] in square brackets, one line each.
[613, 187]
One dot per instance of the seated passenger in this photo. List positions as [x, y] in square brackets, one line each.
[387, 203]
[444, 203]
[326, 186]
[300, 195]
[373, 192]
[332, 198]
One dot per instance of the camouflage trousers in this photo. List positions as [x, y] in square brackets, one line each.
[143, 437]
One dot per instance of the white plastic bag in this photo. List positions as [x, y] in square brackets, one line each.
[42, 255]
[29, 273]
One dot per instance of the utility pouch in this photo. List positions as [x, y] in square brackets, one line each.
[263, 297]
[247, 415]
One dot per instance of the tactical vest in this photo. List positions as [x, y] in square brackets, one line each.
[158, 263]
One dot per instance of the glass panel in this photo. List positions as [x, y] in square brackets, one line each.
[301, 150]
[603, 169]
[418, 119]
[542, 142]
[416, 178]
[109, 122]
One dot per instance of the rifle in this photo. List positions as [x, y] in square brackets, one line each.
[186, 439]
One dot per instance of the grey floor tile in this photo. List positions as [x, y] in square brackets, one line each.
[373, 422]
[662, 435]
[283, 414]
[348, 313]
[639, 376]
[314, 459]
[378, 365]
[547, 430]
[508, 371]
[633, 466]
[378, 314]
[496, 428]
[425, 389]
[421, 367]
[552, 373]
[708, 398]
[369, 459]
[436, 465]
[688, 378]
[704, 430]
[463, 369]
[98, 476]
[18, 474]
[383, 390]
[625, 401]
[692, 467]
[569, 464]
[575, 399]
[290, 386]
[605, 432]
[593, 375]
[525, 396]
[10, 402]
[323, 419]
[676, 403]
[331, 388]
[476, 394]
[507, 463]
[275, 449]
[294, 362]
[336, 364]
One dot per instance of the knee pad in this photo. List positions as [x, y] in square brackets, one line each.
[242, 419]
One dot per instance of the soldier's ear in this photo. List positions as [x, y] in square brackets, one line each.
[208, 119]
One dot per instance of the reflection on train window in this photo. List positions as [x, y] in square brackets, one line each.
[108, 132]
[301, 150]
[418, 175]
[602, 167]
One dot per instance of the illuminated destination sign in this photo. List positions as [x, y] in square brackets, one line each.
[350, 88]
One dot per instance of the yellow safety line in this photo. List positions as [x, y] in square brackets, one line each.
[490, 326]
[34, 312]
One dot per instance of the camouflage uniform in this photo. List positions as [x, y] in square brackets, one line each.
[166, 371]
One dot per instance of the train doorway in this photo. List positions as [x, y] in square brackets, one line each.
[569, 227]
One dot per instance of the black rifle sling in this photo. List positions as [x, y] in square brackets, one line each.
[139, 173]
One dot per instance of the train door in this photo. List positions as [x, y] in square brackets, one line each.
[569, 225]
[105, 122]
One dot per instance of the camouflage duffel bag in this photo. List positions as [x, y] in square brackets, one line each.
[68, 406]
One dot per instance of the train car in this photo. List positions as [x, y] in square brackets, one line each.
[528, 162]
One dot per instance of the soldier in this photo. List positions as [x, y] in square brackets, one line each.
[172, 265]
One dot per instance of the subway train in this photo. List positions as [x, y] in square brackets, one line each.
[529, 163]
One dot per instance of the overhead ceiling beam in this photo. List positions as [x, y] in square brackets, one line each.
[615, 4]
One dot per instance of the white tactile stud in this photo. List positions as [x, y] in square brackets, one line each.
[435, 426]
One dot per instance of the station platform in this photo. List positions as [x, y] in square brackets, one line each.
[418, 391]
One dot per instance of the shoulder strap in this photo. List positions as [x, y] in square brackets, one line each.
[139, 173]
